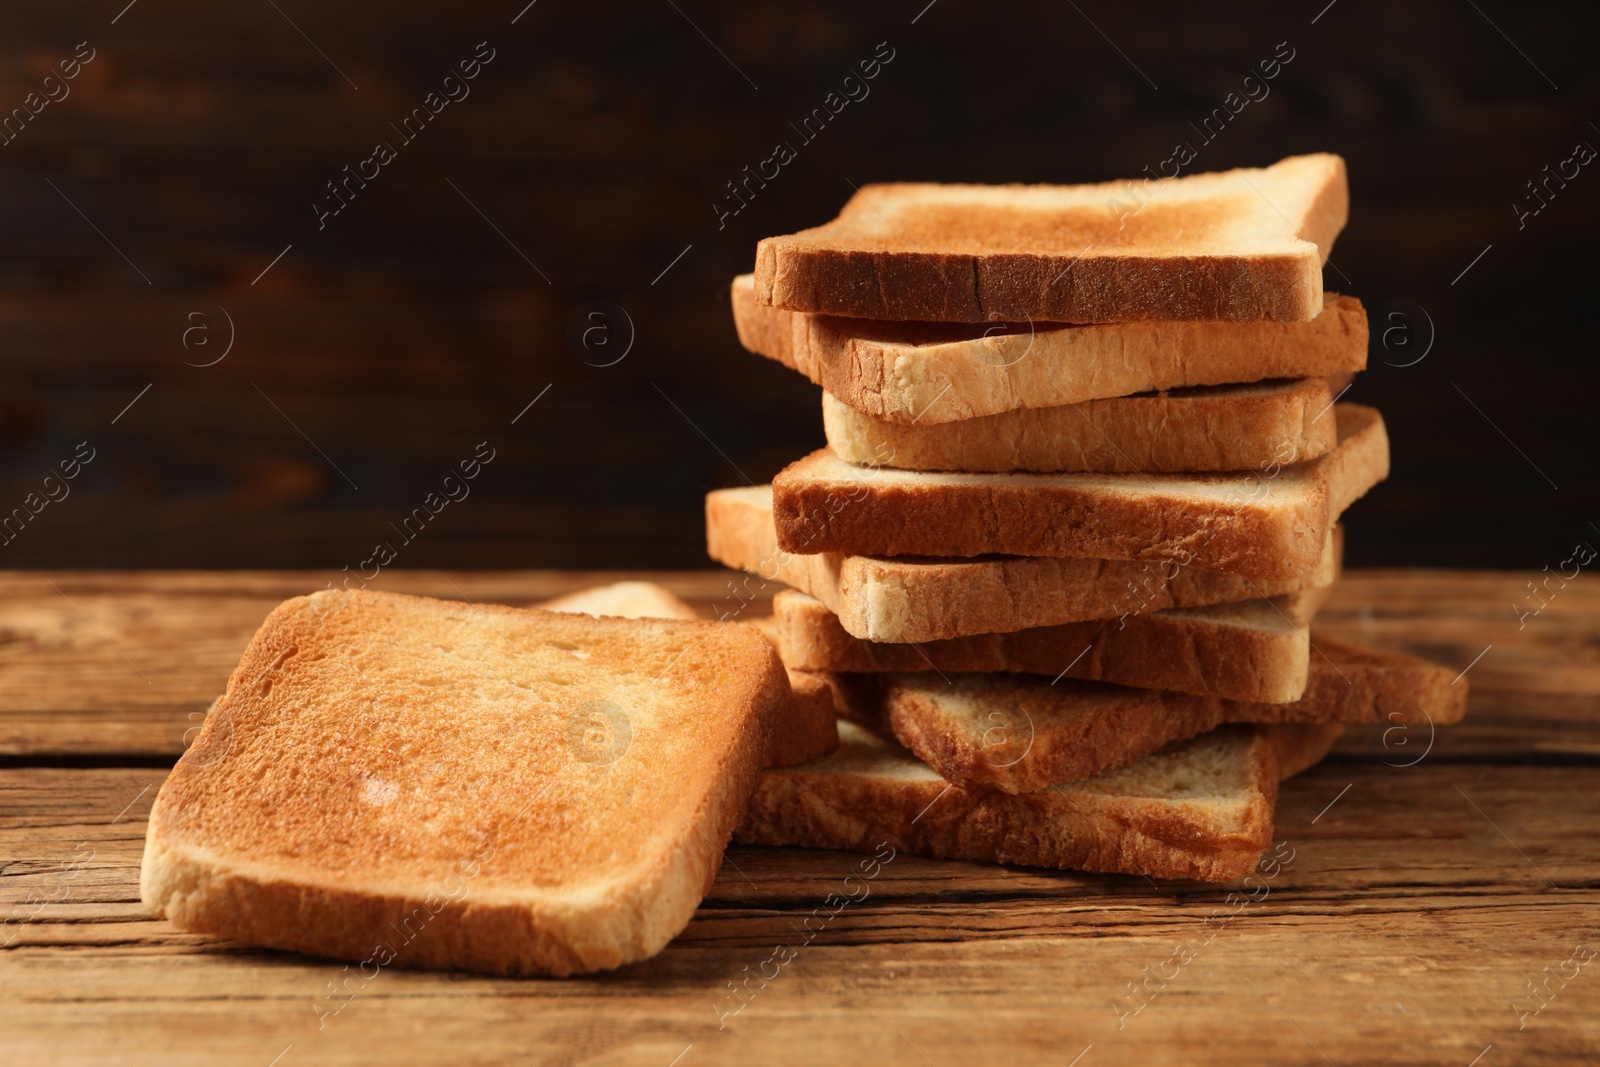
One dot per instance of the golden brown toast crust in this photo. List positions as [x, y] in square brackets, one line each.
[1351, 683]
[1234, 246]
[1209, 429]
[927, 373]
[912, 600]
[1257, 524]
[1134, 820]
[814, 727]
[1254, 650]
[1019, 733]
[551, 791]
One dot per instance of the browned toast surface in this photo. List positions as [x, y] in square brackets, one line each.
[1021, 733]
[1221, 428]
[486, 788]
[1249, 650]
[930, 373]
[906, 600]
[1259, 524]
[1240, 245]
[1197, 809]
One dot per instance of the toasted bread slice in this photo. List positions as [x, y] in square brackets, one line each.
[392, 778]
[624, 600]
[907, 600]
[802, 730]
[816, 701]
[1234, 246]
[1354, 684]
[929, 373]
[1261, 525]
[1198, 809]
[1221, 428]
[1022, 733]
[1250, 650]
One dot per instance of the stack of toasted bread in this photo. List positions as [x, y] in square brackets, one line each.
[1052, 581]
[1058, 565]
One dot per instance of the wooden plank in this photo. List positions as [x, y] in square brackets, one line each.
[147, 652]
[1403, 929]
[1420, 902]
[98, 663]
[1534, 678]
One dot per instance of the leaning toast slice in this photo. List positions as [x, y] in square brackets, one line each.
[1236, 246]
[910, 600]
[1222, 428]
[1258, 524]
[401, 779]
[930, 373]
[1198, 809]
[1021, 733]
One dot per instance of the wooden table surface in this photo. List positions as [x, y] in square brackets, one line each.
[1431, 888]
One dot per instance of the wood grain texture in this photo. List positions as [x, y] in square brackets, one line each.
[142, 674]
[1419, 902]
[1403, 927]
[145, 651]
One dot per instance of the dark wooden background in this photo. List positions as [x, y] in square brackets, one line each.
[595, 142]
